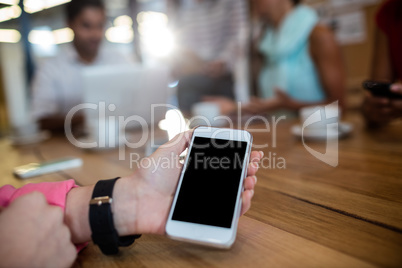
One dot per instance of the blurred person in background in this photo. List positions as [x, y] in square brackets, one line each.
[387, 64]
[211, 36]
[57, 85]
[302, 63]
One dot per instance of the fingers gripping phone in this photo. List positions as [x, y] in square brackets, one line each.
[380, 89]
[207, 203]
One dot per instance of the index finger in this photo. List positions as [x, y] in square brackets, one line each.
[396, 88]
[256, 156]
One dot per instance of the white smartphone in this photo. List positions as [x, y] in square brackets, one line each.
[207, 203]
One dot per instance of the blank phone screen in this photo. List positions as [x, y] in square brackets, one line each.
[211, 181]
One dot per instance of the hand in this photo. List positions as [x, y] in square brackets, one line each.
[380, 111]
[33, 234]
[397, 104]
[226, 105]
[284, 100]
[259, 106]
[151, 190]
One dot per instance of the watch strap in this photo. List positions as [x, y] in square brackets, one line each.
[104, 233]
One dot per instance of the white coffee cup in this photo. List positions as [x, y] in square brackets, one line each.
[207, 114]
[317, 118]
[28, 129]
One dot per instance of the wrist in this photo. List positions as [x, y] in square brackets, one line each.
[291, 104]
[124, 206]
[76, 214]
[124, 209]
[103, 221]
[132, 207]
[270, 104]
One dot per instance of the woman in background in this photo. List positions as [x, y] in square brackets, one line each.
[302, 61]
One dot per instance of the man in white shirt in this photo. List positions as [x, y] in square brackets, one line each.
[57, 85]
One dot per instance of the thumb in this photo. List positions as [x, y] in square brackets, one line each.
[397, 88]
[179, 143]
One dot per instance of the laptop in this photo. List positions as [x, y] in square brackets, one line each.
[127, 92]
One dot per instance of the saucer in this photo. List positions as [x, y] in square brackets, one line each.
[344, 129]
[29, 139]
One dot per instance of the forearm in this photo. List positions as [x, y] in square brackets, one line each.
[123, 209]
[328, 59]
[295, 105]
[76, 214]
[290, 104]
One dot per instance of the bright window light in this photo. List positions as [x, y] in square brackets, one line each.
[156, 38]
[154, 17]
[43, 41]
[47, 37]
[32, 6]
[174, 123]
[123, 21]
[159, 43]
[9, 2]
[9, 36]
[8, 13]
[120, 34]
[63, 35]
[41, 37]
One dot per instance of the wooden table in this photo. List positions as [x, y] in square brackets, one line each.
[308, 214]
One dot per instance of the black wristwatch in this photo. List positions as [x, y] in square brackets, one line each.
[104, 233]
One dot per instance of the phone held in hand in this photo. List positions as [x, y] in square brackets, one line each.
[207, 203]
[380, 89]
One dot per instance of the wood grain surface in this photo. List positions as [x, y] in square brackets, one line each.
[305, 214]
